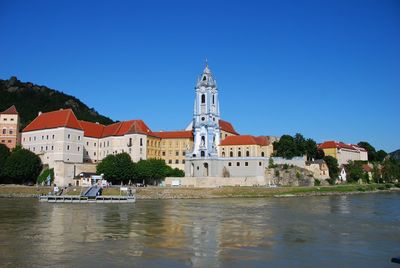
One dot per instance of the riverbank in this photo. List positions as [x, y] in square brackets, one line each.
[222, 192]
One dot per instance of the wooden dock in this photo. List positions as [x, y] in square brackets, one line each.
[85, 199]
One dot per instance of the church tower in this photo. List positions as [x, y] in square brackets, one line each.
[206, 117]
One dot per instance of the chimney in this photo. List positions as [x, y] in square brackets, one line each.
[40, 112]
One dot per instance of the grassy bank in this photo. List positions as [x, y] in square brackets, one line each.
[223, 192]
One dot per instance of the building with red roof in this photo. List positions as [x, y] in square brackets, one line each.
[343, 152]
[246, 146]
[9, 127]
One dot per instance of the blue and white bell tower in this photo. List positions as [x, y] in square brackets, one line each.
[206, 117]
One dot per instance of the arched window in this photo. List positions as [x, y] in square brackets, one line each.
[213, 99]
[262, 154]
[202, 154]
[247, 153]
[204, 78]
[239, 154]
[203, 98]
[231, 154]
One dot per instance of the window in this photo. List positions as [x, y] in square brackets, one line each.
[11, 131]
[204, 78]
[170, 161]
[47, 137]
[53, 137]
[46, 148]
[29, 138]
[202, 154]
[87, 153]
[229, 164]
[9, 141]
[94, 144]
[177, 153]
[52, 148]
[183, 153]
[163, 153]
[79, 148]
[203, 98]
[12, 119]
[69, 136]
[41, 148]
[24, 139]
[141, 142]
[183, 161]
[79, 138]
[247, 153]
[238, 164]
[4, 131]
[223, 154]
[87, 143]
[246, 164]
[34, 138]
[231, 154]
[259, 163]
[5, 119]
[94, 153]
[239, 154]
[68, 147]
[33, 148]
[262, 154]
[176, 161]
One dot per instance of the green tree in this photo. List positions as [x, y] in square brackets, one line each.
[354, 171]
[333, 166]
[370, 149]
[4, 154]
[286, 147]
[175, 172]
[390, 170]
[320, 154]
[376, 173]
[117, 168]
[310, 149]
[380, 155]
[300, 142]
[152, 171]
[22, 166]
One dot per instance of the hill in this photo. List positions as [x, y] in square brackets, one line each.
[29, 99]
[395, 155]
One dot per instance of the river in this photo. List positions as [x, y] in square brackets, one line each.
[332, 231]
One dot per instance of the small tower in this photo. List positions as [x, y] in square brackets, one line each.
[206, 116]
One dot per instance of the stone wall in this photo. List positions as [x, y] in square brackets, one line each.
[212, 182]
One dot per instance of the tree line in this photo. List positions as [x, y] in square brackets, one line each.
[120, 168]
[19, 166]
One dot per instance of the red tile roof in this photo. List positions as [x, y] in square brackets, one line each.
[11, 110]
[55, 119]
[245, 140]
[226, 126]
[184, 134]
[339, 145]
[93, 130]
[117, 129]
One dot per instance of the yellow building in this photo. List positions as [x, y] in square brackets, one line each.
[153, 147]
[246, 146]
[173, 147]
[343, 152]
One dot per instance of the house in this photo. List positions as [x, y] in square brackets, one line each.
[245, 146]
[344, 152]
[9, 127]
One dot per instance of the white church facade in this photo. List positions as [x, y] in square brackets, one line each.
[206, 159]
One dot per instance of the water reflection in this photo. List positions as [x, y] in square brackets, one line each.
[201, 233]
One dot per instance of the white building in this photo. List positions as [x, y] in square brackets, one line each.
[71, 146]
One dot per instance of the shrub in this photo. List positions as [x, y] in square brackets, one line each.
[298, 175]
[43, 177]
[397, 184]
[317, 182]
[285, 166]
[361, 189]
[277, 173]
[381, 187]
[389, 185]
[331, 181]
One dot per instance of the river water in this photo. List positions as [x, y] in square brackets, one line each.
[347, 231]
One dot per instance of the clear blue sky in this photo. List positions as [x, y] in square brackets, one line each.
[326, 69]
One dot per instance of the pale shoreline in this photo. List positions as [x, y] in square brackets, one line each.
[159, 193]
